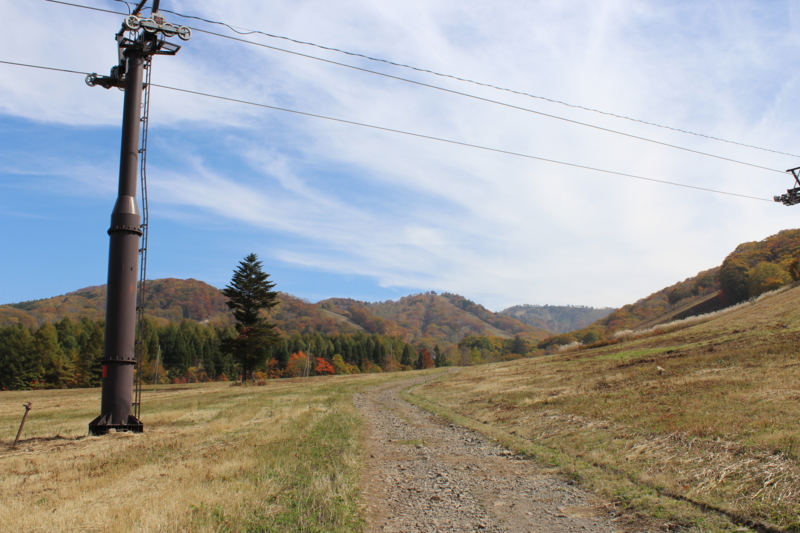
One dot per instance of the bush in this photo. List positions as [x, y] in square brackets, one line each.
[733, 279]
[794, 269]
[766, 277]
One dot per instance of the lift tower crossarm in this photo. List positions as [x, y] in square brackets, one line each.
[139, 7]
[792, 196]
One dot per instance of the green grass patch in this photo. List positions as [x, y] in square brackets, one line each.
[633, 354]
[412, 442]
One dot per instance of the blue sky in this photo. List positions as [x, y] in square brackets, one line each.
[337, 210]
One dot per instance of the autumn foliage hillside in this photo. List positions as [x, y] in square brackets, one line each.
[431, 318]
[752, 269]
[555, 318]
[170, 299]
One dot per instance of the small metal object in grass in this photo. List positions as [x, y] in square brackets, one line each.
[22, 424]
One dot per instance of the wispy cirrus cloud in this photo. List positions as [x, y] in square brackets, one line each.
[411, 212]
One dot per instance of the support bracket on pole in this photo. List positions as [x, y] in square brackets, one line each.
[145, 43]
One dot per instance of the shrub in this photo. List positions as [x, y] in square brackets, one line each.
[765, 277]
[324, 368]
[794, 269]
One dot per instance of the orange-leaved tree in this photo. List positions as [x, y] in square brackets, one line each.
[297, 365]
[323, 367]
[425, 359]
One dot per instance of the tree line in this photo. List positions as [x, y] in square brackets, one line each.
[68, 353]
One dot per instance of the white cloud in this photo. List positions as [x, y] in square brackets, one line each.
[417, 213]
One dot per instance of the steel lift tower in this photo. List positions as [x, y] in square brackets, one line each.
[139, 39]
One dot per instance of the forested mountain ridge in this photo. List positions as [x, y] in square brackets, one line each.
[432, 318]
[428, 318]
[556, 318]
[170, 299]
[445, 319]
[752, 269]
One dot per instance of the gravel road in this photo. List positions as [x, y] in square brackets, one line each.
[424, 474]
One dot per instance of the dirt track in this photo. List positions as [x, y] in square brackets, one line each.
[424, 474]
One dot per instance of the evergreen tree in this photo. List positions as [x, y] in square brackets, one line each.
[58, 370]
[337, 344]
[225, 361]
[90, 346]
[174, 352]
[20, 365]
[409, 354]
[189, 332]
[438, 357]
[67, 335]
[518, 346]
[283, 352]
[378, 352]
[249, 293]
[329, 351]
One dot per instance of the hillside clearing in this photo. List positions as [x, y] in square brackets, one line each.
[708, 414]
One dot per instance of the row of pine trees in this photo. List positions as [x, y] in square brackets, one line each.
[68, 353]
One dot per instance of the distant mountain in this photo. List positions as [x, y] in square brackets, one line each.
[169, 299]
[557, 319]
[432, 318]
[422, 318]
[750, 270]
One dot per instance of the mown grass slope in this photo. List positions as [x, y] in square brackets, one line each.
[708, 415]
[282, 457]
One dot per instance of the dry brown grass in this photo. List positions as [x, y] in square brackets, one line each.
[710, 413]
[282, 457]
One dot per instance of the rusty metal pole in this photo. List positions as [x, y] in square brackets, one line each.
[22, 424]
[119, 359]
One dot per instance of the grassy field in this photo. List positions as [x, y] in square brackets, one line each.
[698, 427]
[672, 425]
[282, 457]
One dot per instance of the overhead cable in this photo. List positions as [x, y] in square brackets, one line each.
[449, 141]
[44, 68]
[412, 134]
[465, 80]
[88, 7]
[496, 102]
[467, 95]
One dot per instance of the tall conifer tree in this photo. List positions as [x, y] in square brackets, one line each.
[409, 354]
[249, 293]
